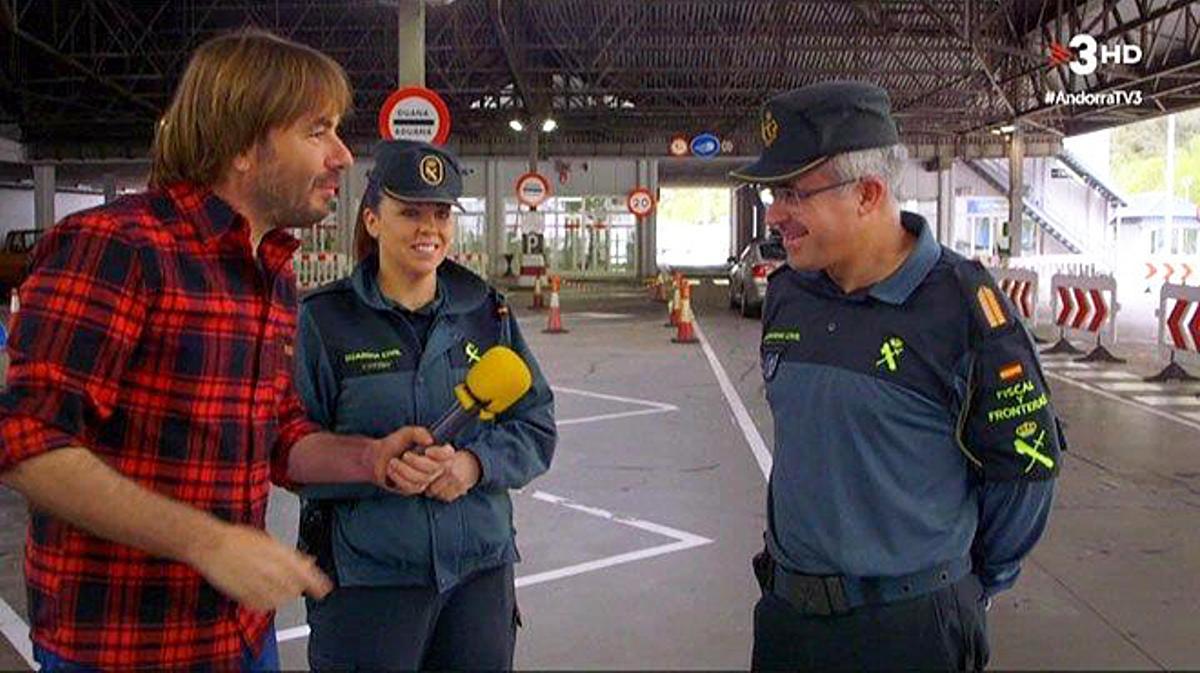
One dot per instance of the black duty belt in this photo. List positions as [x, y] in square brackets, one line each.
[838, 594]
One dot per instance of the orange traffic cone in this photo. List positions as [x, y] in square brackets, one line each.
[676, 303]
[554, 322]
[663, 281]
[539, 302]
[685, 335]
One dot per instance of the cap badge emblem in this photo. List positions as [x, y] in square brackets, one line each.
[433, 171]
[770, 129]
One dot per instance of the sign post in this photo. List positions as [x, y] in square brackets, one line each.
[532, 190]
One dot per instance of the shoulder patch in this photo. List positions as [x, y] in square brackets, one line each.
[981, 294]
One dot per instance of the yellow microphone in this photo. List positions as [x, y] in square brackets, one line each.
[493, 384]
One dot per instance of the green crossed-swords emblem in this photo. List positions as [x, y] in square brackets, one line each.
[1034, 452]
[890, 350]
[472, 352]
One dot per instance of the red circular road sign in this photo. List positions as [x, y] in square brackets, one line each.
[415, 113]
[533, 189]
[640, 202]
[679, 146]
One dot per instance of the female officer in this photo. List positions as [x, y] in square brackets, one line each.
[424, 570]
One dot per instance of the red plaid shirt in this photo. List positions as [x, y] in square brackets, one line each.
[149, 334]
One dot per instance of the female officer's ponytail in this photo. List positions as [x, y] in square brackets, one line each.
[364, 244]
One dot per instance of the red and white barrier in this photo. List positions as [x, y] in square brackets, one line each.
[314, 269]
[1178, 330]
[1021, 287]
[1085, 307]
[475, 261]
[1168, 271]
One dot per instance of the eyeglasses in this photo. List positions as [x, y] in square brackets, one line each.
[788, 196]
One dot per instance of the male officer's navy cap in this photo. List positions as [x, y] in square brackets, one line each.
[414, 171]
[804, 127]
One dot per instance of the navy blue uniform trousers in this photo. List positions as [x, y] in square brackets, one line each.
[470, 627]
[942, 630]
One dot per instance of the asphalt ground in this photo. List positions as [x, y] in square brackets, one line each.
[636, 544]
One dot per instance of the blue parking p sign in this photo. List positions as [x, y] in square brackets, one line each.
[706, 146]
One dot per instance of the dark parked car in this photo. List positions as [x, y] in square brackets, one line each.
[748, 274]
[14, 258]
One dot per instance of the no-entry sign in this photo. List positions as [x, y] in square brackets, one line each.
[533, 189]
[640, 202]
[415, 113]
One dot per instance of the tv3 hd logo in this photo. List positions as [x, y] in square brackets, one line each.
[1085, 54]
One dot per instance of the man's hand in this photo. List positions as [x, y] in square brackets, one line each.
[412, 473]
[462, 472]
[381, 453]
[254, 569]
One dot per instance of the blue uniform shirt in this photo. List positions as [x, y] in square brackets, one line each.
[365, 365]
[870, 392]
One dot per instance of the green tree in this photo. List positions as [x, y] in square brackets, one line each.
[1139, 156]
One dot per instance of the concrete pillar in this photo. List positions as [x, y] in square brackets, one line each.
[1016, 190]
[110, 188]
[647, 229]
[43, 196]
[744, 225]
[493, 216]
[410, 17]
[945, 211]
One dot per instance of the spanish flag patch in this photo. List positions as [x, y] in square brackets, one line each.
[991, 307]
[1010, 371]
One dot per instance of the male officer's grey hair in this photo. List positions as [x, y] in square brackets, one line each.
[886, 163]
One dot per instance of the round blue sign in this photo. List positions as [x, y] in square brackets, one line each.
[706, 146]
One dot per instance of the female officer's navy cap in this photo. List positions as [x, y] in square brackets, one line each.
[416, 171]
[804, 127]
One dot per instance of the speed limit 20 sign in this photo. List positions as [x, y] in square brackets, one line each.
[640, 202]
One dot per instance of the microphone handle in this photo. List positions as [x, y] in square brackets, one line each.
[451, 422]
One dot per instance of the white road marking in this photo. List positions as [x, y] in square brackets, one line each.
[681, 540]
[654, 407]
[17, 631]
[1067, 364]
[1144, 386]
[1105, 375]
[757, 446]
[1169, 400]
[1126, 401]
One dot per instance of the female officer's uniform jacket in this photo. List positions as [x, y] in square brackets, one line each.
[364, 368]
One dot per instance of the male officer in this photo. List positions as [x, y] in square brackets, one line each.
[915, 442]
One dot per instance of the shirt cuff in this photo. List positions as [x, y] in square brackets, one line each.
[23, 437]
[288, 436]
[999, 578]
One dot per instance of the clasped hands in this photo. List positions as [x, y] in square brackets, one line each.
[441, 472]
